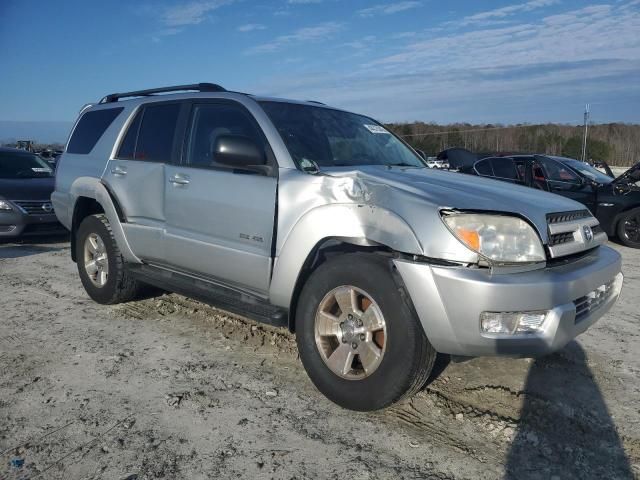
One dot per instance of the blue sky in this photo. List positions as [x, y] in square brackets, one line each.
[460, 60]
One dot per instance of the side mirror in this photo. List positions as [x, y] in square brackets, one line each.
[421, 153]
[237, 151]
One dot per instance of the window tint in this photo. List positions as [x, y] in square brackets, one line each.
[210, 122]
[155, 139]
[556, 171]
[128, 145]
[483, 167]
[504, 168]
[90, 128]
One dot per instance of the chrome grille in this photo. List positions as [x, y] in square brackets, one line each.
[591, 301]
[573, 232]
[35, 207]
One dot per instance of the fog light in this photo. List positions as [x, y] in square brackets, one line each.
[510, 323]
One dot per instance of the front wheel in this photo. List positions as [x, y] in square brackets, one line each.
[100, 264]
[358, 336]
[629, 228]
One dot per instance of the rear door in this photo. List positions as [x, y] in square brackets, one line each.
[220, 221]
[136, 176]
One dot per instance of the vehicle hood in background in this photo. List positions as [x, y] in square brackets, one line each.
[627, 176]
[39, 188]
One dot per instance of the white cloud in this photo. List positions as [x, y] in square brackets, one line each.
[191, 13]
[519, 72]
[388, 8]
[315, 33]
[501, 13]
[250, 27]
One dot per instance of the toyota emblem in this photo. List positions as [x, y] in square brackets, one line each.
[588, 233]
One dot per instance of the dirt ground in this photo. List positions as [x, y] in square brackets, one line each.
[170, 388]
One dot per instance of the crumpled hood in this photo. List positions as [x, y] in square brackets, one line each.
[627, 174]
[444, 189]
[39, 188]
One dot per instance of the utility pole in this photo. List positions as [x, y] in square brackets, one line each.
[587, 111]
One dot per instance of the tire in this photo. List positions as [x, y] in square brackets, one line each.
[118, 285]
[407, 357]
[628, 228]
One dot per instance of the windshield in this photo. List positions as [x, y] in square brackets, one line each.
[331, 138]
[588, 171]
[23, 165]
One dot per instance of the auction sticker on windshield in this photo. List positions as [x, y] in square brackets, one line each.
[376, 129]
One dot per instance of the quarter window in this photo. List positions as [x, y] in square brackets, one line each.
[90, 128]
[483, 167]
[128, 145]
[504, 168]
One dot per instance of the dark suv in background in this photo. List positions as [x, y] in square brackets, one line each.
[26, 184]
[615, 202]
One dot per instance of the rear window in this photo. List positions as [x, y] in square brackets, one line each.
[155, 138]
[90, 128]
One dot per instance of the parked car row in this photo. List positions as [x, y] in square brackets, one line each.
[304, 216]
[615, 202]
[26, 185]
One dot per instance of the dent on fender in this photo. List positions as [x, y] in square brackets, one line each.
[315, 207]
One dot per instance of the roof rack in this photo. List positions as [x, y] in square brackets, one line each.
[199, 87]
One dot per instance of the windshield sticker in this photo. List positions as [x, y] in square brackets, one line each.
[376, 129]
[41, 170]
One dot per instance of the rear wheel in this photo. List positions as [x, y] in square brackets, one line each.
[358, 336]
[100, 264]
[629, 228]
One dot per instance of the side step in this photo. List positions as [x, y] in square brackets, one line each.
[212, 294]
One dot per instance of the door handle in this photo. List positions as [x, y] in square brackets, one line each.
[120, 171]
[179, 179]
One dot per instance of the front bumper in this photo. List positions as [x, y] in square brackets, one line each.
[449, 301]
[15, 223]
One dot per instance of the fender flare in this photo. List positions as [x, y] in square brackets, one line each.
[93, 188]
[357, 224]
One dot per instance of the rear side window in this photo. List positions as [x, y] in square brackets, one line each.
[504, 168]
[150, 135]
[483, 167]
[128, 145]
[90, 128]
[155, 139]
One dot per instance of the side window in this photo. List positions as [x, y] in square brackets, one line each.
[208, 122]
[557, 172]
[90, 128]
[157, 132]
[504, 168]
[483, 167]
[128, 145]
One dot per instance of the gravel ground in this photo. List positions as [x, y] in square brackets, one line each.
[168, 387]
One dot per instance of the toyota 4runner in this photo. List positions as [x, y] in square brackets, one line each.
[308, 217]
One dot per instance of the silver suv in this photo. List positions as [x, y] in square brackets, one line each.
[322, 221]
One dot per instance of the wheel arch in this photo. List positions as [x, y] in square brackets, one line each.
[333, 230]
[91, 196]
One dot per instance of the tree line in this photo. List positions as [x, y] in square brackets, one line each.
[616, 143]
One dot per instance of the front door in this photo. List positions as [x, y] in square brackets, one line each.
[220, 221]
[562, 180]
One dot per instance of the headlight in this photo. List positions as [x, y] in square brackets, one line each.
[4, 205]
[500, 238]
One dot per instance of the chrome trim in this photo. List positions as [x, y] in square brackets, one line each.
[585, 230]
